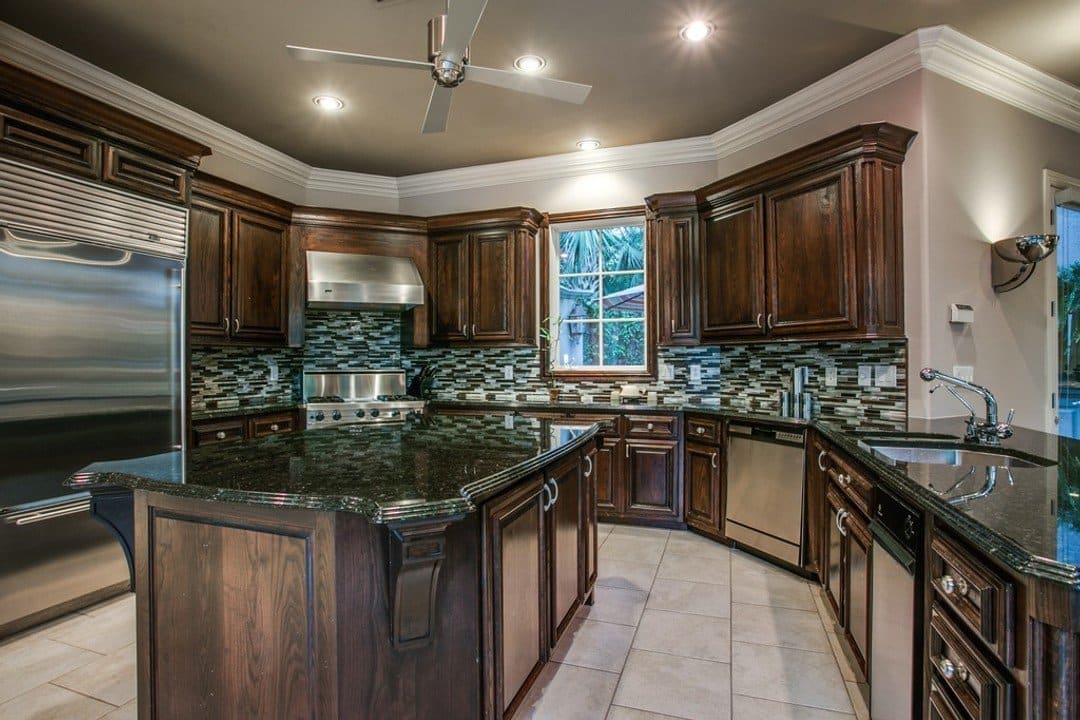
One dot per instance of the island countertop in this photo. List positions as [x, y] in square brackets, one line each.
[435, 466]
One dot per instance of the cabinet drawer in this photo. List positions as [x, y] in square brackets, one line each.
[980, 596]
[655, 426]
[208, 433]
[41, 142]
[272, 424]
[855, 486]
[145, 175]
[941, 707]
[703, 429]
[968, 675]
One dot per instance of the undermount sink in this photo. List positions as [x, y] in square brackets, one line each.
[960, 457]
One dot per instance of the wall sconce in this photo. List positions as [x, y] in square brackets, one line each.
[1013, 259]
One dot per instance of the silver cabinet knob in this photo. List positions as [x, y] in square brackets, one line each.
[701, 431]
[274, 427]
[950, 585]
[220, 435]
[649, 426]
[950, 670]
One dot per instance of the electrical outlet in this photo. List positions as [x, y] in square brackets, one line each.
[830, 376]
[274, 373]
[866, 375]
[964, 372]
[667, 372]
[508, 422]
[508, 372]
[885, 376]
[695, 373]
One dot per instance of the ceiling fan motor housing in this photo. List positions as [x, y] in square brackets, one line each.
[446, 72]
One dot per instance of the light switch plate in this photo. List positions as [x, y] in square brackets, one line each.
[695, 373]
[830, 376]
[885, 376]
[866, 373]
[964, 372]
[508, 372]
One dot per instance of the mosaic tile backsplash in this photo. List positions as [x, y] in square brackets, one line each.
[741, 377]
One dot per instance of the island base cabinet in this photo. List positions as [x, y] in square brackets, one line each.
[255, 612]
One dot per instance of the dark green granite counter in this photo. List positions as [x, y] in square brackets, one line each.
[436, 466]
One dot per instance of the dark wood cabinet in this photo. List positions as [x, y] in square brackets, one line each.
[483, 270]
[672, 226]
[591, 546]
[567, 536]
[241, 427]
[652, 492]
[816, 526]
[46, 124]
[240, 284]
[810, 251]
[609, 473]
[733, 297]
[847, 571]
[807, 245]
[701, 478]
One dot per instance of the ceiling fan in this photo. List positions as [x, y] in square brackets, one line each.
[449, 36]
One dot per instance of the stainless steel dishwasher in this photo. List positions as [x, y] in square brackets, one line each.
[765, 490]
[895, 645]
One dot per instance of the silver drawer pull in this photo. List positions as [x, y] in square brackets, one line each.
[712, 460]
[588, 466]
[29, 517]
[701, 431]
[274, 427]
[220, 434]
[950, 670]
[950, 585]
[758, 321]
[649, 426]
[821, 460]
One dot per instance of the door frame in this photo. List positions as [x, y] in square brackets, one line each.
[1052, 182]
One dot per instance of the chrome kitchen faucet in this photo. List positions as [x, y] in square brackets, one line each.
[986, 432]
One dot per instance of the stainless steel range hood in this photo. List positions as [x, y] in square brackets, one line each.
[345, 281]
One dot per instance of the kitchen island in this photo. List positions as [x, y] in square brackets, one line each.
[420, 570]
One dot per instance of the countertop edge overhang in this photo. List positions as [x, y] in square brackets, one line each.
[472, 494]
[1005, 550]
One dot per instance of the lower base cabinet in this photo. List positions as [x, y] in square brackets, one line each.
[540, 547]
[208, 432]
[847, 571]
[703, 491]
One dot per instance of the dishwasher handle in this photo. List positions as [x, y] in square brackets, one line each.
[769, 435]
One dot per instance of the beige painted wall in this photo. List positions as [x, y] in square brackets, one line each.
[585, 192]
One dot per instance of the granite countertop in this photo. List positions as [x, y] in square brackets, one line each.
[432, 467]
[1026, 517]
[215, 413]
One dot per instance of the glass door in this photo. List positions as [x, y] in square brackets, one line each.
[1066, 220]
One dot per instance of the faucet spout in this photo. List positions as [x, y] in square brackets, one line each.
[989, 431]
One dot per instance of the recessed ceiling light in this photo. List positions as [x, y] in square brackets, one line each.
[696, 31]
[530, 63]
[588, 144]
[328, 102]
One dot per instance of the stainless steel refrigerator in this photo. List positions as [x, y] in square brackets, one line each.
[91, 369]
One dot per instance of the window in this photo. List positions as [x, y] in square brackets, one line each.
[597, 308]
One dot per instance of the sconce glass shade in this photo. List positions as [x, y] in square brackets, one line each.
[1013, 259]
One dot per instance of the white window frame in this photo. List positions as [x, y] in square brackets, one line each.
[553, 292]
[1053, 182]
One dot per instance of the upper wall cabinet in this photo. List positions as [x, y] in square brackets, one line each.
[806, 246]
[672, 225]
[483, 277]
[240, 267]
[49, 125]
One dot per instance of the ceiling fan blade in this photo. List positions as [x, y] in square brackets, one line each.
[438, 109]
[462, 17]
[563, 90]
[320, 55]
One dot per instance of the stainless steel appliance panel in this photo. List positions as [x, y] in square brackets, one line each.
[765, 489]
[352, 385]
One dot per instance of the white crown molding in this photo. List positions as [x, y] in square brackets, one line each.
[967, 61]
[939, 49]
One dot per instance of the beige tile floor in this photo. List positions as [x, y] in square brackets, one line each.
[682, 627]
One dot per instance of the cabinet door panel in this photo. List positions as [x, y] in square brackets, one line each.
[678, 268]
[39, 141]
[733, 272]
[858, 585]
[608, 474]
[493, 286]
[259, 275]
[816, 480]
[701, 471]
[591, 545]
[810, 246]
[208, 268]
[450, 290]
[833, 560]
[650, 481]
[516, 537]
[566, 528]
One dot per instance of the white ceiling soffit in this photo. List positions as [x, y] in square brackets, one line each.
[939, 49]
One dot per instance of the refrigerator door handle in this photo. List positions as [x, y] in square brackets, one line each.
[48, 512]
